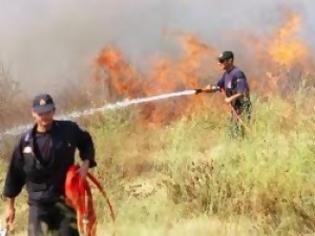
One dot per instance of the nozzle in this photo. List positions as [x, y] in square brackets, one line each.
[199, 90]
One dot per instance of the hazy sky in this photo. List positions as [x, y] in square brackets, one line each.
[49, 42]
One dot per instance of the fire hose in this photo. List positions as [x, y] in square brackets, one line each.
[79, 196]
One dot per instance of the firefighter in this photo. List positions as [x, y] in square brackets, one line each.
[40, 162]
[234, 83]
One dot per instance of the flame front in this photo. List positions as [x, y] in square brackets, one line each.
[123, 81]
[277, 64]
[286, 48]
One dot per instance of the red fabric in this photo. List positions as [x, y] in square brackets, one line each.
[78, 195]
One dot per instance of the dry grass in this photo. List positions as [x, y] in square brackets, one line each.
[190, 178]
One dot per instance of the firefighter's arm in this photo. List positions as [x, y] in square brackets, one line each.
[15, 180]
[9, 213]
[240, 88]
[86, 147]
[15, 177]
[232, 98]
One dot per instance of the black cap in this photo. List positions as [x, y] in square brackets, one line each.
[225, 55]
[43, 103]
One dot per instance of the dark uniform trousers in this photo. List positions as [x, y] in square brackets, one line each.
[62, 224]
[243, 110]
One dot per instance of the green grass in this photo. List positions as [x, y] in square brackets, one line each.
[190, 178]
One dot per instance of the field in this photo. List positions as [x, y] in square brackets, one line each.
[188, 177]
[170, 167]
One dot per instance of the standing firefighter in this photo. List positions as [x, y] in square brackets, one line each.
[40, 161]
[234, 83]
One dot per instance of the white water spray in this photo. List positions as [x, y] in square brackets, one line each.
[113, 106]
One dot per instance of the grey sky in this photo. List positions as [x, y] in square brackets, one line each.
[49, 42]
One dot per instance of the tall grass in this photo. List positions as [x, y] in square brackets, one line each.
[191, 178]
[265, 178]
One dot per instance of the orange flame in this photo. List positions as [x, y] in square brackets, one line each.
[122, 79]
[278, 62]
[167, 76]
[287, 49]
[268, 71]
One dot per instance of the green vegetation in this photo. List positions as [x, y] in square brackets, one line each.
[190, 178]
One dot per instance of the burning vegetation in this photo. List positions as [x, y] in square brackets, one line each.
[287, 49]
[290, 58]
[121, 80]
[280, 62]
[164, 180]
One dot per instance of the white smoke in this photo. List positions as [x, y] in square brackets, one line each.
[49, 42]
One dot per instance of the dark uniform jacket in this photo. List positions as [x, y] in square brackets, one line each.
[233, 82]
[41, 163]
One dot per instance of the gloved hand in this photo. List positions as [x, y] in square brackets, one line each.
[199, 90]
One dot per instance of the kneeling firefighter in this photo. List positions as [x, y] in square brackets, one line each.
[40, 161]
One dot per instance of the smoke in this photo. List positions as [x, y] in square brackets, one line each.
[49, 44]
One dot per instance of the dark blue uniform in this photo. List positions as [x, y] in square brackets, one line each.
[233, 82]
[40, 161]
